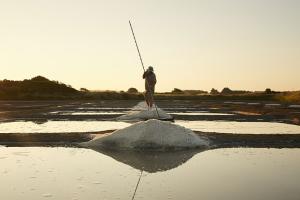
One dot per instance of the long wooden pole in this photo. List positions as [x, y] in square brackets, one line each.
[137, 47]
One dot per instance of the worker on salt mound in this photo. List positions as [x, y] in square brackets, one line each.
[150, 81]
[149, 111]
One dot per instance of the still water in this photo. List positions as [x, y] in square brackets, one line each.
[92, 113]
[241, 127]
[93, 126]
[71, 173]
[60, 126]
[200, 114]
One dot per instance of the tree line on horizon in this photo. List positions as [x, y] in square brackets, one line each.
[41, 88]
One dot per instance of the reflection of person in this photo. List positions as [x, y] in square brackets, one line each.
[150, 81]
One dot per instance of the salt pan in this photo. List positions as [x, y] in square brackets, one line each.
[152, 134]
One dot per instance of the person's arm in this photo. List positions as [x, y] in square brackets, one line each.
[145, 74]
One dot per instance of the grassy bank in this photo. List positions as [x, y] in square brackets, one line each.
[289, 97]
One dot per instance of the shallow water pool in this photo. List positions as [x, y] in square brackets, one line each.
[60, 126]
[92, 113]
[68, 173]
[204, 126]
[200, 113]
[241, 127]
[103, 108]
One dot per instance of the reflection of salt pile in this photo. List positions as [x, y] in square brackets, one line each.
[151, 161]
[141, 112]
[151, 134]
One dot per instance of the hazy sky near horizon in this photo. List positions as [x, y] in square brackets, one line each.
[192, 44]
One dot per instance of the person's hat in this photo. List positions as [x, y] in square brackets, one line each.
[150, 68]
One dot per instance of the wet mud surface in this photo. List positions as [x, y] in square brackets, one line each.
[42, 111]
[217, 140]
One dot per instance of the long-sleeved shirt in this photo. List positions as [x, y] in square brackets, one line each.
[150, 80]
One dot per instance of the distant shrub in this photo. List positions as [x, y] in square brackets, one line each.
[194, 92]
[84, 90]
[177, 91]
[226, 90]
[132, 90]
[213, 91]
[269, 91]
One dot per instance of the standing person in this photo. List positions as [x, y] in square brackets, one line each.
[150, 81]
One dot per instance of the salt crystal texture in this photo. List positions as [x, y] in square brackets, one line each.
[141, 106]
[141, 112]
[152, 134]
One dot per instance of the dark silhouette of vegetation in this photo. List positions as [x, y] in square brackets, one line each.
[228, 91]
[177, 91]
[36, 88]
[195, 92]
[111, 95]
[188, 92]
[269, 91]
[288, 97]
[41, 88]
[40, 78]
[84, 90]
[213, 91]
[132, 90]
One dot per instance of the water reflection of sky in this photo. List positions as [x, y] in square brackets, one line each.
[205, 126]
[69, 173]
[241, 127]
[200, 113]
[92, 113]
[102, 108]
[60, 126]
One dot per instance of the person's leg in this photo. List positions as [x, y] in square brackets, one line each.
[150, 99]
[147, 99]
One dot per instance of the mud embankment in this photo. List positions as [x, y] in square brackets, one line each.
[218, 140]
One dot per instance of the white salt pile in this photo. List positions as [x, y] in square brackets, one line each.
[141, 112]
[152, 134]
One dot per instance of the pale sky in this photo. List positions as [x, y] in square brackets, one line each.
[192, 44]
